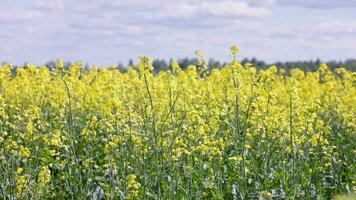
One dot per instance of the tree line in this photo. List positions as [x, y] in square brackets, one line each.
[163, 65]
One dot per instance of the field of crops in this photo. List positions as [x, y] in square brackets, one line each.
[230, 133]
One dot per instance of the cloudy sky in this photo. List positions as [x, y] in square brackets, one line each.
[108, 31]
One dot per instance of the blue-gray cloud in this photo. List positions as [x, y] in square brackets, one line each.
[319, 4]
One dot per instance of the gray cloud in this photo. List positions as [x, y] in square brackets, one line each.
[261, 2]
[319, 4]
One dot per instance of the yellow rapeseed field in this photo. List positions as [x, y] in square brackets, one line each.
[230, 133]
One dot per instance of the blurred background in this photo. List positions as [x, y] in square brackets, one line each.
[284, 32]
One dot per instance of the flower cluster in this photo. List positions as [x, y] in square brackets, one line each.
[227, 133]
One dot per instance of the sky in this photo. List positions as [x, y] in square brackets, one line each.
[108, 31]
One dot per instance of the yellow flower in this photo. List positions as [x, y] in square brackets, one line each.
[44, 176]
[24, 152]
[323, 67]
[56, 139]
[21, 184]
[235, 159]
[19, 170]
[132, 186]
[196, 121]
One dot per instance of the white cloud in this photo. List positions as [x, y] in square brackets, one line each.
[338, 27]
[18, 16]
[52, 5]
[324, 30]
[158, 9]
[105, 31]
[216, 8]
[232, 8]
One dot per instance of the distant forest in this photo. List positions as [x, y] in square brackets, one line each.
[306, 66]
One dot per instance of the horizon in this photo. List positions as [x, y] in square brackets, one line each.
[167, 61]
[135, 60]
